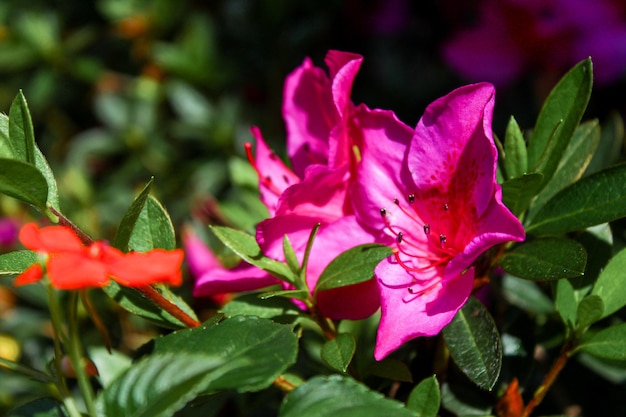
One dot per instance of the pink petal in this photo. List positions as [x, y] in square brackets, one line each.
[274, 176]
[198, 256]
[309, 115]
[453, 151]
[405, 316]
[382, 174]
[343, 68]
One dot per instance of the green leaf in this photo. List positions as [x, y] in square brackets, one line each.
[267, 349]
[598, 198]
[589, 311]
[252, 305]
[610, 146]
[42, 407]
[610, 284]
[566, 303]
[339, 396]
[134, 302]
[573, 164]
[14, 263]
[517, 193]
[290, 256]
[21, 132]
[558, 119]
[159, 385]
[126, 226]
[609, 343]
[6, 149]
[338, 352]
[53, 192]
[248, 249]
[474, 344]
[515, 154]
[23, 181]
[425, 398]
[526, 295]
[352, 266]
[153, 228]
[546, 259]
[297, 294]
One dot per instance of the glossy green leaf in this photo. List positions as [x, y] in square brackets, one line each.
[598, 198]
[575, 160]
[6, 149]
[159, 385]
[53, 192]
[338, 352]
[352, 266]
[153, 228]
[252, 305]
[474, 344]
[517, 193]
[339, 396]
[546, 259]
[126, 226]
[516, 157]
[248, 249]
[134, 302]
[23, 181]
[610, 284]
[609, 343]
[559, 116]
[21, 132]
[14, 263]
[297, 294]
[425, 398]
[267, 348]
[589, 311]
[42, 407]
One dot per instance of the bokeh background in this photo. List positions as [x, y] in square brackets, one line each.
[123, 90]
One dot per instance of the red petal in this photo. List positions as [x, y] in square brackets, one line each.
[32, 274]
[71, 271]
[49, 239]
[159, 265]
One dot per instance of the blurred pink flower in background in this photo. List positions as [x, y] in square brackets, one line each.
[511, 37]
[9, 230]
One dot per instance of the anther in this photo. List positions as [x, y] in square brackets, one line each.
[427, 229]
[442, 239]
[396, 201]
[445, 207]
[286, 179]
[399, 237]
[411, 290]
[411, 198]
[383, 212]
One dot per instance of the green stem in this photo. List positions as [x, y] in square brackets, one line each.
[25, 370]
[76, 357]
[57, 325]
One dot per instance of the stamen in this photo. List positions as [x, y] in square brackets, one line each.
[427, 229]
[399, 237]
[396, 201]
[383, 212]
[445, 207]
[443, 240]
[411, 198]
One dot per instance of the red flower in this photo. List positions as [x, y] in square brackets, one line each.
[71, 265]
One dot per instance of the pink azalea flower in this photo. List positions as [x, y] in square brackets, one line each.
[514, 36]
[440, 207]
[324, 132]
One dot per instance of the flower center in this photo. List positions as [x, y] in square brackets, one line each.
[419, 246]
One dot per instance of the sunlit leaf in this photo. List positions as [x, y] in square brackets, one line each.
[425, 398]
[14, 263]
[126, 226]
[352, 266]
[517, 193]
[516, 158]
[609, 343]
[610, 284]
[338, 352]
[23, 181]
